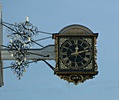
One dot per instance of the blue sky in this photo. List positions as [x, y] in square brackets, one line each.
[39, 82]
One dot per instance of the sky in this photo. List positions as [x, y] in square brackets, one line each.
[39, 81]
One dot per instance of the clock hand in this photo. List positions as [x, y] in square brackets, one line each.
[76, 49]
[83, 51]
[76, 53]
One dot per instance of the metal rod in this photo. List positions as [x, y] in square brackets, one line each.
[49, 65]
[4, 46]
[3, 23]
[37, 43]
[45, 32]
[38, 54]
[8, 27]
[43, 38]
[8, 23]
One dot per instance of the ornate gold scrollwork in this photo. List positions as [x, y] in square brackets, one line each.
[74, 78]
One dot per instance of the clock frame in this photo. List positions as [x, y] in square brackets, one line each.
[75, 47]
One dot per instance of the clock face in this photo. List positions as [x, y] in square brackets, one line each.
[75, 53]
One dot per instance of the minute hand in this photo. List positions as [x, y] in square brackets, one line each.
[76, 53]
[83, 51]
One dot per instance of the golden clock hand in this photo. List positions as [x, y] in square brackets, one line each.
[76, 49]
[76, 53]
[83, 51]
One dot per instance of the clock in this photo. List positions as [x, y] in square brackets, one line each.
[75, 53]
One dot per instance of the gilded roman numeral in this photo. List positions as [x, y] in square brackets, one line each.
[81, 43]
[75, 41]
[86, 48]
[86, 59]
[76, 65]
[82, 63]
[65, 59]
[87, 53]
[65, 48]
[69, 63]
[69, 42]
[64, 53]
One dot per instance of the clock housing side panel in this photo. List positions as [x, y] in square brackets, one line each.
[93, 64]
[56, 53]
[90, 40]
[61, 66]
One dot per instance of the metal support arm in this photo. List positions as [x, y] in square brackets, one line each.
[45, 53]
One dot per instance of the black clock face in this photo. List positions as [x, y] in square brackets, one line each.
[75, 53]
